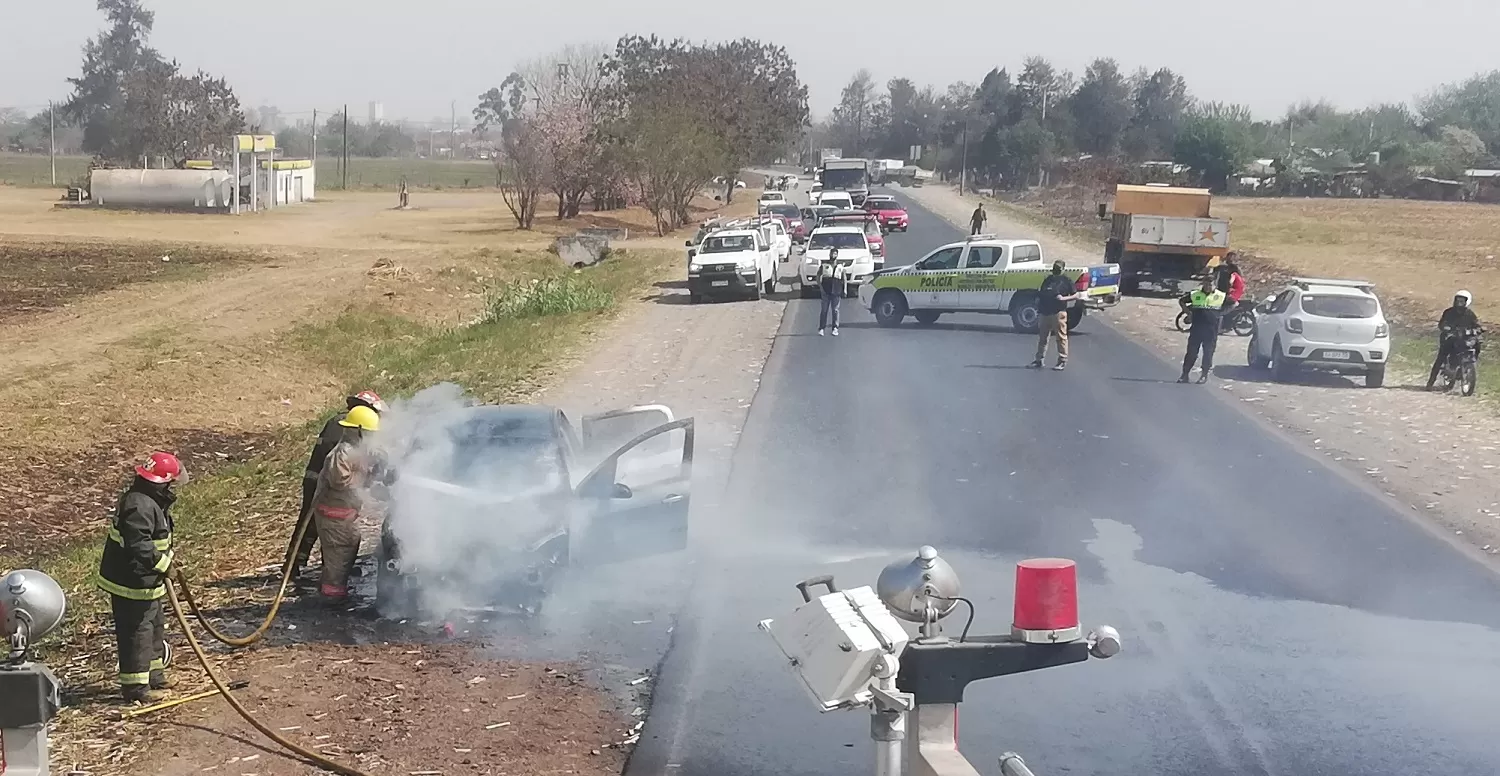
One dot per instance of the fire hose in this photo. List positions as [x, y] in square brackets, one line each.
[244, 641]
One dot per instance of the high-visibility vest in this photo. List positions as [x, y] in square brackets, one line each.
[1209, 301]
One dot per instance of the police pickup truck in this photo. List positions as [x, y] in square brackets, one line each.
[983, 274]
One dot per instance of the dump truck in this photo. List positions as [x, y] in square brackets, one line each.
[1163, 236]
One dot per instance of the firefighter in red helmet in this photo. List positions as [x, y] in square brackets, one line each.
[329, 437]
[137, 557]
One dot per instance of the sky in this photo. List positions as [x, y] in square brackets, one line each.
[418, 59]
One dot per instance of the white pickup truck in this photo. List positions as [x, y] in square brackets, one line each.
[732, 262]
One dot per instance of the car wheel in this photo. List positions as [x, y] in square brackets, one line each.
[927, 317]
[1025, 315]
[695, 298]
[1253, 356]
[889, 307]
[809, 292]
[755, 290]
[1281, 366]
[1375, 377]
[770, 287]
[1075, 317]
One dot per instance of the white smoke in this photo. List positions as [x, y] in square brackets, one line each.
[465, 514]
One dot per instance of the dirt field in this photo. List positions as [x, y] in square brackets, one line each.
[226, 339]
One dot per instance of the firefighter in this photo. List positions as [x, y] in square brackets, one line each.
[347, 473]
[330, 435]
[137, 557]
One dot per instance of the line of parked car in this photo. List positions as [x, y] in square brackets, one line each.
[784, 243]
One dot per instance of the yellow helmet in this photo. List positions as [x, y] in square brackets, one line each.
[362, 417]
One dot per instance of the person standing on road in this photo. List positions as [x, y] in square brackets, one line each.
[137, 556]
[349, 470]
[1205, 305]
[976, 221]
[329, 437]
[1052, 315]
[832, 285]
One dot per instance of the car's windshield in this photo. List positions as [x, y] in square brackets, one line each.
[884, 204]
[496, 452]
[870, 226]
[790, 211]
[843, 179]
[840, 240]
[728, 243]
[1339, 306]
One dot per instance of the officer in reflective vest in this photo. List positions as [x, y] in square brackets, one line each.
[1205, 306]
[137, 557]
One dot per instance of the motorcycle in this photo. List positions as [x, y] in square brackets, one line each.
[1461, 367]
[1240, 320]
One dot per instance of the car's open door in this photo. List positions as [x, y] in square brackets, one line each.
[631, 512]
[604, 433]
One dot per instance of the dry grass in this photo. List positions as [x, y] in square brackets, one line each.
[1417, 253]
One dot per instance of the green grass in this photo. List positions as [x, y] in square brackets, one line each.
[1412, 358]
[240, 518]
[34, 170]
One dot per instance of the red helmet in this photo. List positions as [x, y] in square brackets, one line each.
[160, 468]
[368, 398]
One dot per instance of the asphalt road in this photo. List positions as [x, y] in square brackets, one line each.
[1279, 618]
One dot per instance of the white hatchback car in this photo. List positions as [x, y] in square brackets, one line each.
[1327, 325]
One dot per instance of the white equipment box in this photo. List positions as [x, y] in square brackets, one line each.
[834, 643]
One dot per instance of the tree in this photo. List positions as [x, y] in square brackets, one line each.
[1473, 104]
[744, 92]
[521, 170]
[108, 59]
[672, 157]
[1101, 108]
[1160, 100]
[1214, 140]
[132, 103]
[852, 117]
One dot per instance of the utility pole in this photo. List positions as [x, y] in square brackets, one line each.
[963, 164]
[453, 141]
[52, 141]
[315, 140]
[346, 147]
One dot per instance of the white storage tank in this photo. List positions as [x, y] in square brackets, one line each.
[161, 188]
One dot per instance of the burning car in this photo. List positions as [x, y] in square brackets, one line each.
[493, 500]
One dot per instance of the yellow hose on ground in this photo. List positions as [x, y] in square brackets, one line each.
[306, 754]
[286, 576]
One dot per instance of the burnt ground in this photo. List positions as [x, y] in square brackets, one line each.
[40, 276]
[76, 495]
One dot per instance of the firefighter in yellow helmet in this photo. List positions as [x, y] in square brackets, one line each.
[330, 435]
[343, 485]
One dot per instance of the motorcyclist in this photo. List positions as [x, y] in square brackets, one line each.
[1454, 322]
[1232, 283]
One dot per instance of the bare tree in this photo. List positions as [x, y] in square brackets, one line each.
[521, 170]
[673, 156]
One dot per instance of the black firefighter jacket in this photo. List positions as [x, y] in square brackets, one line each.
[138, 549]
[331, 435]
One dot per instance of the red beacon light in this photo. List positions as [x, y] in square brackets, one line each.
[1046, 605]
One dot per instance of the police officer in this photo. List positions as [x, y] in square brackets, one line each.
[1205, 304]
[330, 435]
[137, 556]
[832, 285]
[977, 219]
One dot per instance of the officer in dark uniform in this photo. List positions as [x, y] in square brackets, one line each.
[137, 557]
[330, 436]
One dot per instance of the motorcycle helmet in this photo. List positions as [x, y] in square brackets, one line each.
[1466, 296]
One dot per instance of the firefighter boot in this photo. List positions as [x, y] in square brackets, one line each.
[143, 694]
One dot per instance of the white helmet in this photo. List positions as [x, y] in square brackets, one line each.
[1466, 296]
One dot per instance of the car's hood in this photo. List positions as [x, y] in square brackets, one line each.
[416, 486]
[846, 256]
[893, 270]
[883, 213]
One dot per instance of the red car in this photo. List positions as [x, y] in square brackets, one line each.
[888, 211]
[794, 222]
